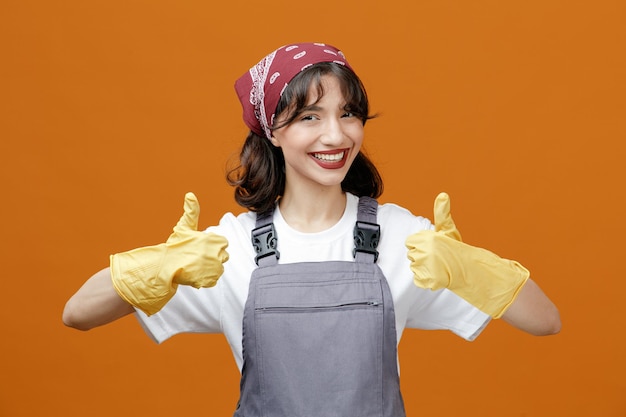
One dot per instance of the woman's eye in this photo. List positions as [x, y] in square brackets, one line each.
[307, 117]
[348, 114]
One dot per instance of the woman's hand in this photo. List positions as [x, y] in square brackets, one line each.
[439, 259]
[148, 277]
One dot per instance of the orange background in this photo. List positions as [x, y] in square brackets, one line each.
[112, 110]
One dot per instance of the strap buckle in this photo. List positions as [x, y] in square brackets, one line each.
[264, 241]
[366, 238]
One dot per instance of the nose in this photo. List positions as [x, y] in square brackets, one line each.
[332, 134]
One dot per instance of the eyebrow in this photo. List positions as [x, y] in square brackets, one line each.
[312, 107]
[315, 107]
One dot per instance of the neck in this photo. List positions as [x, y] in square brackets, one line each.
[313, 211]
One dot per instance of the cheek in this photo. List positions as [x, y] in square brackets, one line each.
[357, 136]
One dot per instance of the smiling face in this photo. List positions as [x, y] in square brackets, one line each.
[321, 142]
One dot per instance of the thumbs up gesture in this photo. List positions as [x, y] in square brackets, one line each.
[439, 259]
[443, 218]
[148, 277]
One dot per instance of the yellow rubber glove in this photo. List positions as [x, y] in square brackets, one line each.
[148, 277]
[439, 259]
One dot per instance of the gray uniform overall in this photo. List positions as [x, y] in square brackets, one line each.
[319, 338]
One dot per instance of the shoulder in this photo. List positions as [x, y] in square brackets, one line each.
[393, 216]
[234, 223]
[237, 231]
[394, 219]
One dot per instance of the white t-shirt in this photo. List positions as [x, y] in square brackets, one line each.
[220, 309]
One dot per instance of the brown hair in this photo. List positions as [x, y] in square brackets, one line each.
[259, 177]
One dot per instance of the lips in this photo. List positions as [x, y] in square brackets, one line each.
[334, 159]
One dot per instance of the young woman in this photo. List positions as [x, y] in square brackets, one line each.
[319, 281]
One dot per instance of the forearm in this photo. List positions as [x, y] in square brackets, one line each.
[533, 312]
[96, 303]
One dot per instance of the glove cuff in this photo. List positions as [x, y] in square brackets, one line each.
[515, 279]
[136, 278]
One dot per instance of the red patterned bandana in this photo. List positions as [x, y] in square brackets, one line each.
[260, 88]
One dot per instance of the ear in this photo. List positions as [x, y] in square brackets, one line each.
[275, 141]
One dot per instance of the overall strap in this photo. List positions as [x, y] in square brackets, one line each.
[366, 231]
[264, 240]
[366, 235]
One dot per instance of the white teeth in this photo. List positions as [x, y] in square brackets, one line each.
[330, 158]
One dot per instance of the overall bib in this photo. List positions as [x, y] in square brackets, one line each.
[319, 338]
